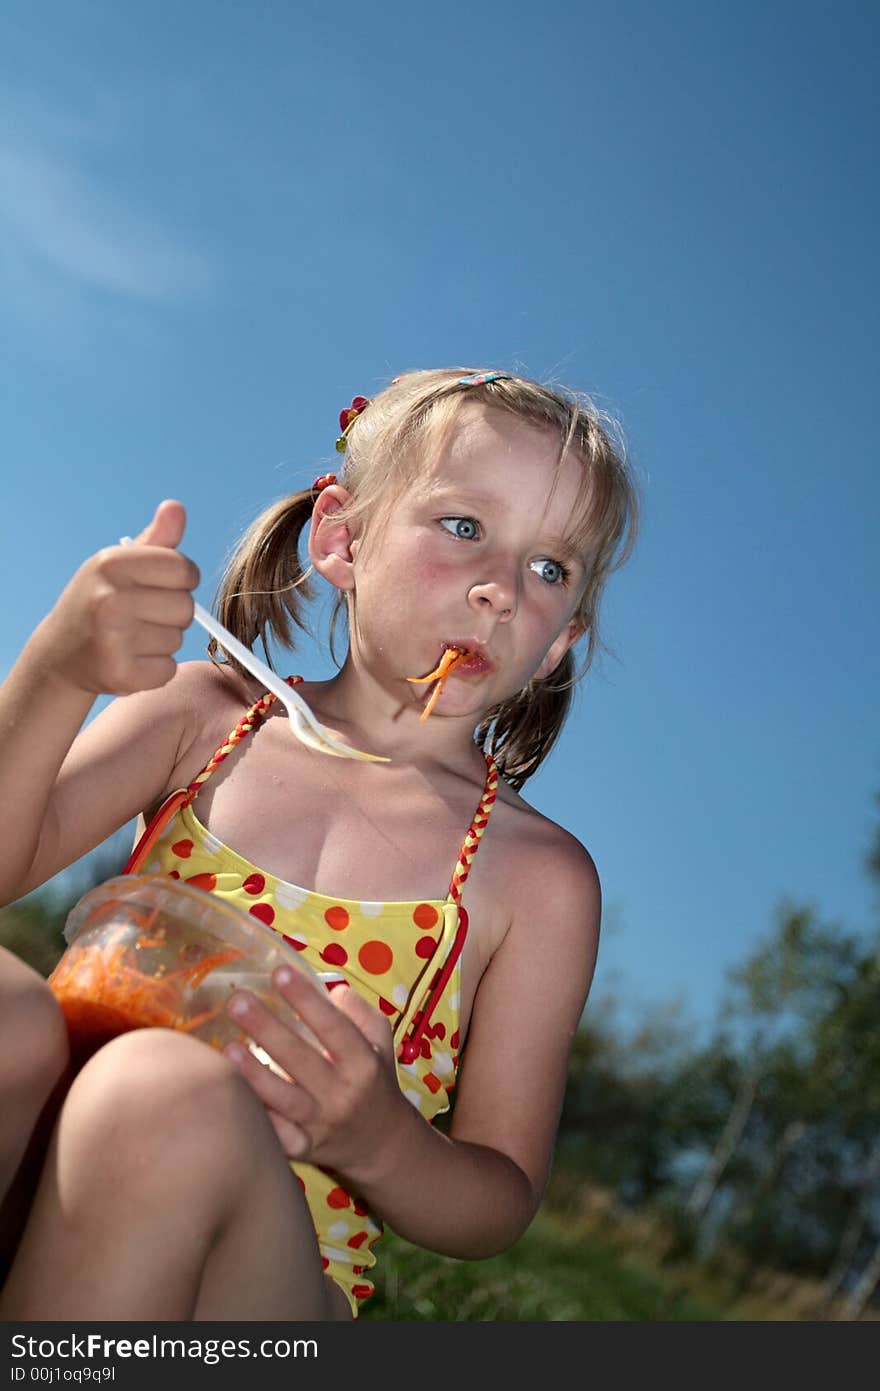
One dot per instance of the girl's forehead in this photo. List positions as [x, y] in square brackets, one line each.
[491, 450]
[490, 432]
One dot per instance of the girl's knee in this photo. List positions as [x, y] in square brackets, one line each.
[35, 1052]
[155, 1096]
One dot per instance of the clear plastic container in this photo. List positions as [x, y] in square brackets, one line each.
[149, 951]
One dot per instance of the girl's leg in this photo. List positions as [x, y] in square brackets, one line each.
[166, 1196]
[33, 1072]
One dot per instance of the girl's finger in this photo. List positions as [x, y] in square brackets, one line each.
[150, 566]
[156, 640]
[287, 1098]
[298, 1057]
[167, 526]
[293, 1139]
[162, 606]
[338, 1033]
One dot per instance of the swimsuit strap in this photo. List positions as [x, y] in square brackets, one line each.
[255, 716]
[186, 796]
[471, 843]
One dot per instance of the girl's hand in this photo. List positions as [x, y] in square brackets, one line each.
[113, 630]
[342, 1104]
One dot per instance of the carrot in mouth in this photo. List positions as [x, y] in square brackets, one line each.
[452, 657]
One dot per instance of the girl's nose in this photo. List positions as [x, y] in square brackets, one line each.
[498, 595]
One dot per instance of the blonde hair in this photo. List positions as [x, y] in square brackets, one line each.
[264, 584]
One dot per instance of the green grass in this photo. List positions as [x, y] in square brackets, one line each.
[584, 1260]
[555, 1272]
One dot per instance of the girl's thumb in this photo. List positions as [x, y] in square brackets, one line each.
[167, 526]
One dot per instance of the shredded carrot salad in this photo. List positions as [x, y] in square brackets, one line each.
[101, 994]
[452, 658]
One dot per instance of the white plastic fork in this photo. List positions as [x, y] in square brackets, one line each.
[306, 727]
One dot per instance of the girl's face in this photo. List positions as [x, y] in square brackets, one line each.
[474, 556]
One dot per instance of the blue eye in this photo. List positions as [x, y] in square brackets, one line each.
[550, 570]
[465, 528]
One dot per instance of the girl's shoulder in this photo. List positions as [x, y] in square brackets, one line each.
[544, 867]
[536, 903]
[531, 833]
[203, 701]
[211, 687]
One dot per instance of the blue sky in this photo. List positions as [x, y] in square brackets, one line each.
[220, 222]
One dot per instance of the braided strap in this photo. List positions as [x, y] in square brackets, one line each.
[254, 716]
[475, 831]
[183, 797]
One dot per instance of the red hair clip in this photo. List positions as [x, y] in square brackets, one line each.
[347, 417]
[323, 481]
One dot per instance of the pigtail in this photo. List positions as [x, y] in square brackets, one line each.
[264, 585]
[520, 732]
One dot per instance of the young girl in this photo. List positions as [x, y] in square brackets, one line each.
[476, 512]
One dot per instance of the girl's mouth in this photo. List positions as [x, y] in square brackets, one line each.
[458, 657]
[474, 661]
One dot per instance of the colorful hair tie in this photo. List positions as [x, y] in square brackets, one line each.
[323, 481]
[347, 417]
[481, 378]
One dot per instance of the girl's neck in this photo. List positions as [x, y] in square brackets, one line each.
[369, 716]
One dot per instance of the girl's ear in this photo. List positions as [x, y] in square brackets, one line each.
[331, 546]
[569, 635]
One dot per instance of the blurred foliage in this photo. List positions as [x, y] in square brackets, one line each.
[32, 927]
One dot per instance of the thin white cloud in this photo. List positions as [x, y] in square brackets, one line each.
[66, 223]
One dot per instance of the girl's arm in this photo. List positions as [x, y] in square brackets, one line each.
[473, 1193]
[112, 631]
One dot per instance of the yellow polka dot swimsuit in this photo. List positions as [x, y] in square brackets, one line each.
[402, 957]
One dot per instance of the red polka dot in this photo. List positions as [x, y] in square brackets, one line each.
[426, 947]
[357, 1270]
[254, 884]
[337, 918]
[360, 1207]
[182, 849]
[337, 1197]
[301, 1183]
[325, 1262]
[425, 1048]
[208, 882]
[376, 958]
[334, 955]
[362, 1291]
[174, 874]
[425, 916]
[294, 942]
[431, 1082]
[358, 1239]
[264, 911]
[386, 1006]
[437, 1031]
[454, 1041]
